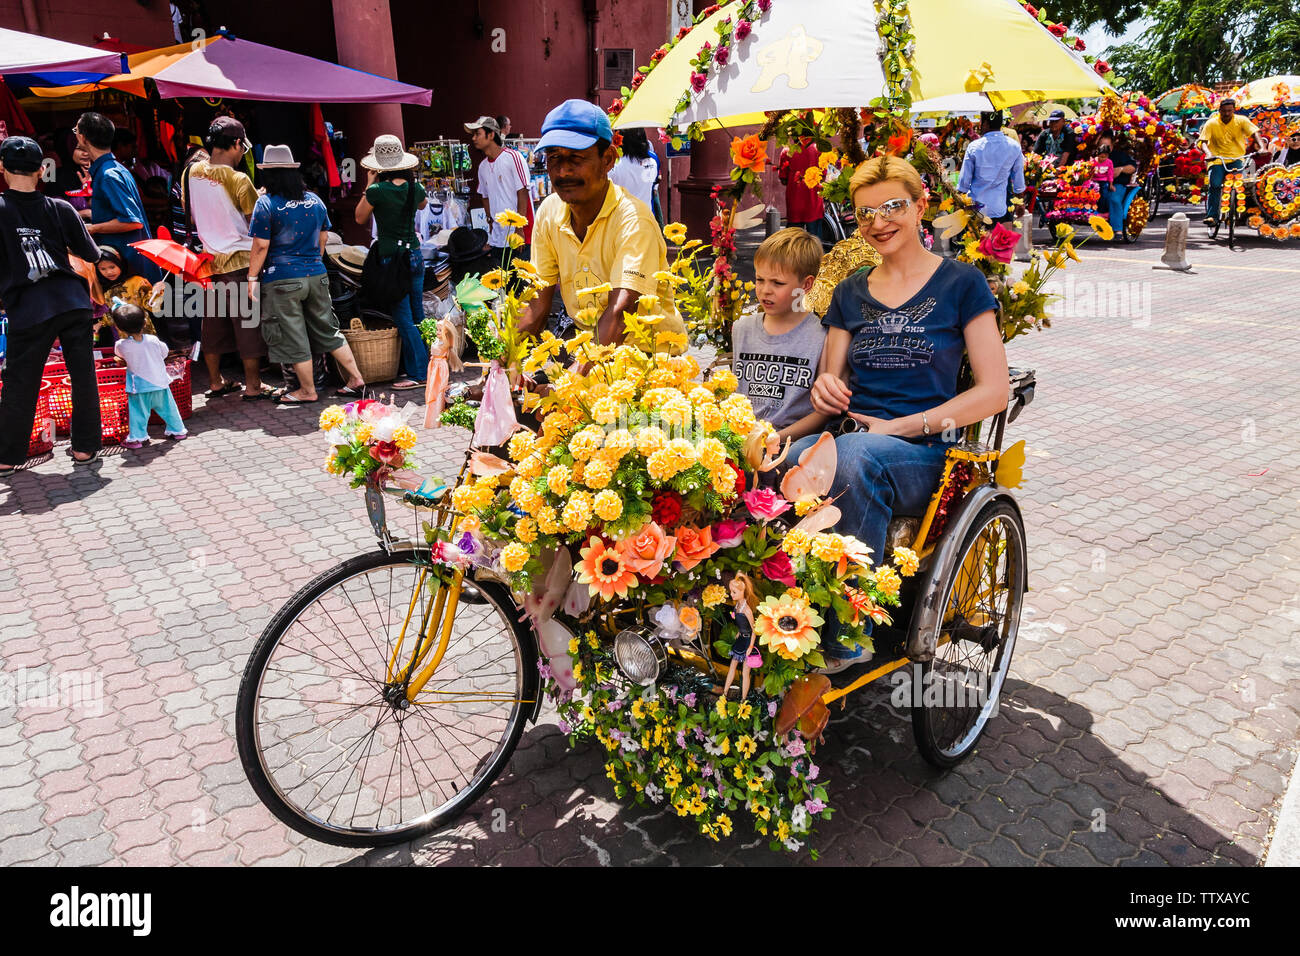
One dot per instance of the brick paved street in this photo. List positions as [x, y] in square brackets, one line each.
[1151, 714]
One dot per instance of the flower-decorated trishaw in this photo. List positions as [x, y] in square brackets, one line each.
[626, 540]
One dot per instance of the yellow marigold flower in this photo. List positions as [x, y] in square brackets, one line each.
[805, 505]
[557, 479]
[404, 437]
[531, 467]
[597, 390]
[676, 412]
[675, 233]
[494, 279]
[828, 547]
[577, 513]
[332, 417]
[907, 561]
[462, 498]
[514, 556]
[522, 444]
[608, 505]
[713, 595]
[484, 494]
[797, 542]
[365, 431]
[595, 474]
[332, 464]
[547, 521]
[511, 219]
[698, 395]
[723, 480]
[713, 454]
[710, 417]
[888, 581]
[526, 530]
[723, 381]
[661, 378]
[518, 486]
[622, 391]
[650, 440]
[605, 411]
[1020, 288]
[812, 177]
[619, 443]
[661, 466]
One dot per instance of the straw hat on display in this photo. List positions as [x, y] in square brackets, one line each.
[334, 244]
[350, 260]
[388, 155]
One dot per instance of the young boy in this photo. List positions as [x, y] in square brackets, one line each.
[777, 351]
[147, 382]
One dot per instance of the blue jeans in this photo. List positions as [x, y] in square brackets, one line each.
[407, 314]
[877, 476]
[1218, 173]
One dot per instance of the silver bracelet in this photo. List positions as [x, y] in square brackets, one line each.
[925, 424]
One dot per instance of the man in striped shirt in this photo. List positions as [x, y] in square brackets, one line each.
[503, 183]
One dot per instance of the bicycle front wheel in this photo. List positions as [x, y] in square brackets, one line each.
[327, 736]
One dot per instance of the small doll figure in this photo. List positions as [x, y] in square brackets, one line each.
[762, 445]
[443, 360]
[744, 650]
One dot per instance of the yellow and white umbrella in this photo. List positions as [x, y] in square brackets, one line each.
[803, 54]
[1270, 91]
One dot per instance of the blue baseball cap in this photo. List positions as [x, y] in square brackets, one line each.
[575, 124]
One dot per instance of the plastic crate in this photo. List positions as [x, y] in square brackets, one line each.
[113, 407]
[42, 439]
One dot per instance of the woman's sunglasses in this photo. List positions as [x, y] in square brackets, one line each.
[887, 211]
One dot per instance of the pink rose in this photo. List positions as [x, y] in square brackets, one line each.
[729, 533]
[1000, 244]
[778, 568]
[742, 29]
[764, 503]
[697, 82]
[722, 55]
[646, 550]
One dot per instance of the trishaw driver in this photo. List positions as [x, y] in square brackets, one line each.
[1226, 136]
[592, 235]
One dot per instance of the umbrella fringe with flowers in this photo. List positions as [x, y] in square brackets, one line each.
[884, 123]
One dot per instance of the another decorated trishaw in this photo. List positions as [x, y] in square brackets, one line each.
[620, 516]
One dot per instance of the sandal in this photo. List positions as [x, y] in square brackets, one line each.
[402, 384]
[264, 393]
[7, 470]
[286, 399]
[225, 390]
[350, 391]
[84, 461]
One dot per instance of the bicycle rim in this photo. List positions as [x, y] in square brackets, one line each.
[335, 756]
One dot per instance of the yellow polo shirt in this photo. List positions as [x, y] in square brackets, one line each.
[1228, 139]
[623, 247]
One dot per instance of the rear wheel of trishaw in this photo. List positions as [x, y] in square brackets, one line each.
[330, 742]
[982, 595]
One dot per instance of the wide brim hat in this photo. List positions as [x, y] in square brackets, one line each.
[351, 259]
[334, 244]
[387, 155]
[466, 243]
[277, 157]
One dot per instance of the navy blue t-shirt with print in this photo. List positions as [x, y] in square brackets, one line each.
[293, 226]
[906, 360]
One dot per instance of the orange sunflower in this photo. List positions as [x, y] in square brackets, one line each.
[787, 625]
[603, 571]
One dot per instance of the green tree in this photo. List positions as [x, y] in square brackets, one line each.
[1195, 41]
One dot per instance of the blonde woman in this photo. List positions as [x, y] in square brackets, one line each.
[896, 335]
[743, 650]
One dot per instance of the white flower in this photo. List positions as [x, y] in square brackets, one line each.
[799, 819]
[385, 427]
[793, 845]
[653, 793]
[335, 436]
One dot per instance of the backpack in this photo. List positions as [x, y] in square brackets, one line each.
[385, 282]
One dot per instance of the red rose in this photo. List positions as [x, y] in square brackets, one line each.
[659, 54]
[1078, 44]
[682, 32]
[1102, 67]
[1059, 29]
[1031, 10]
[387, 452]
[637, 81]
[710, 11]
[666, 508]
[615, 108]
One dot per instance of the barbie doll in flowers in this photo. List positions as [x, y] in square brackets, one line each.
[443, 360]
[743, 650]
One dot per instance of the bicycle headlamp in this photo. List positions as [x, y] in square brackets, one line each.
[640, 655]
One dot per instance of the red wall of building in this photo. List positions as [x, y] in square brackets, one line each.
[79, 21]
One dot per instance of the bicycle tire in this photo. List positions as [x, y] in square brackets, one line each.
[254, 713]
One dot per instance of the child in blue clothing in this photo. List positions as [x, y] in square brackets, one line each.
[148, 383]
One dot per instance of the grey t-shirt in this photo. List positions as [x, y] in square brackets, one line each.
[777, 371]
